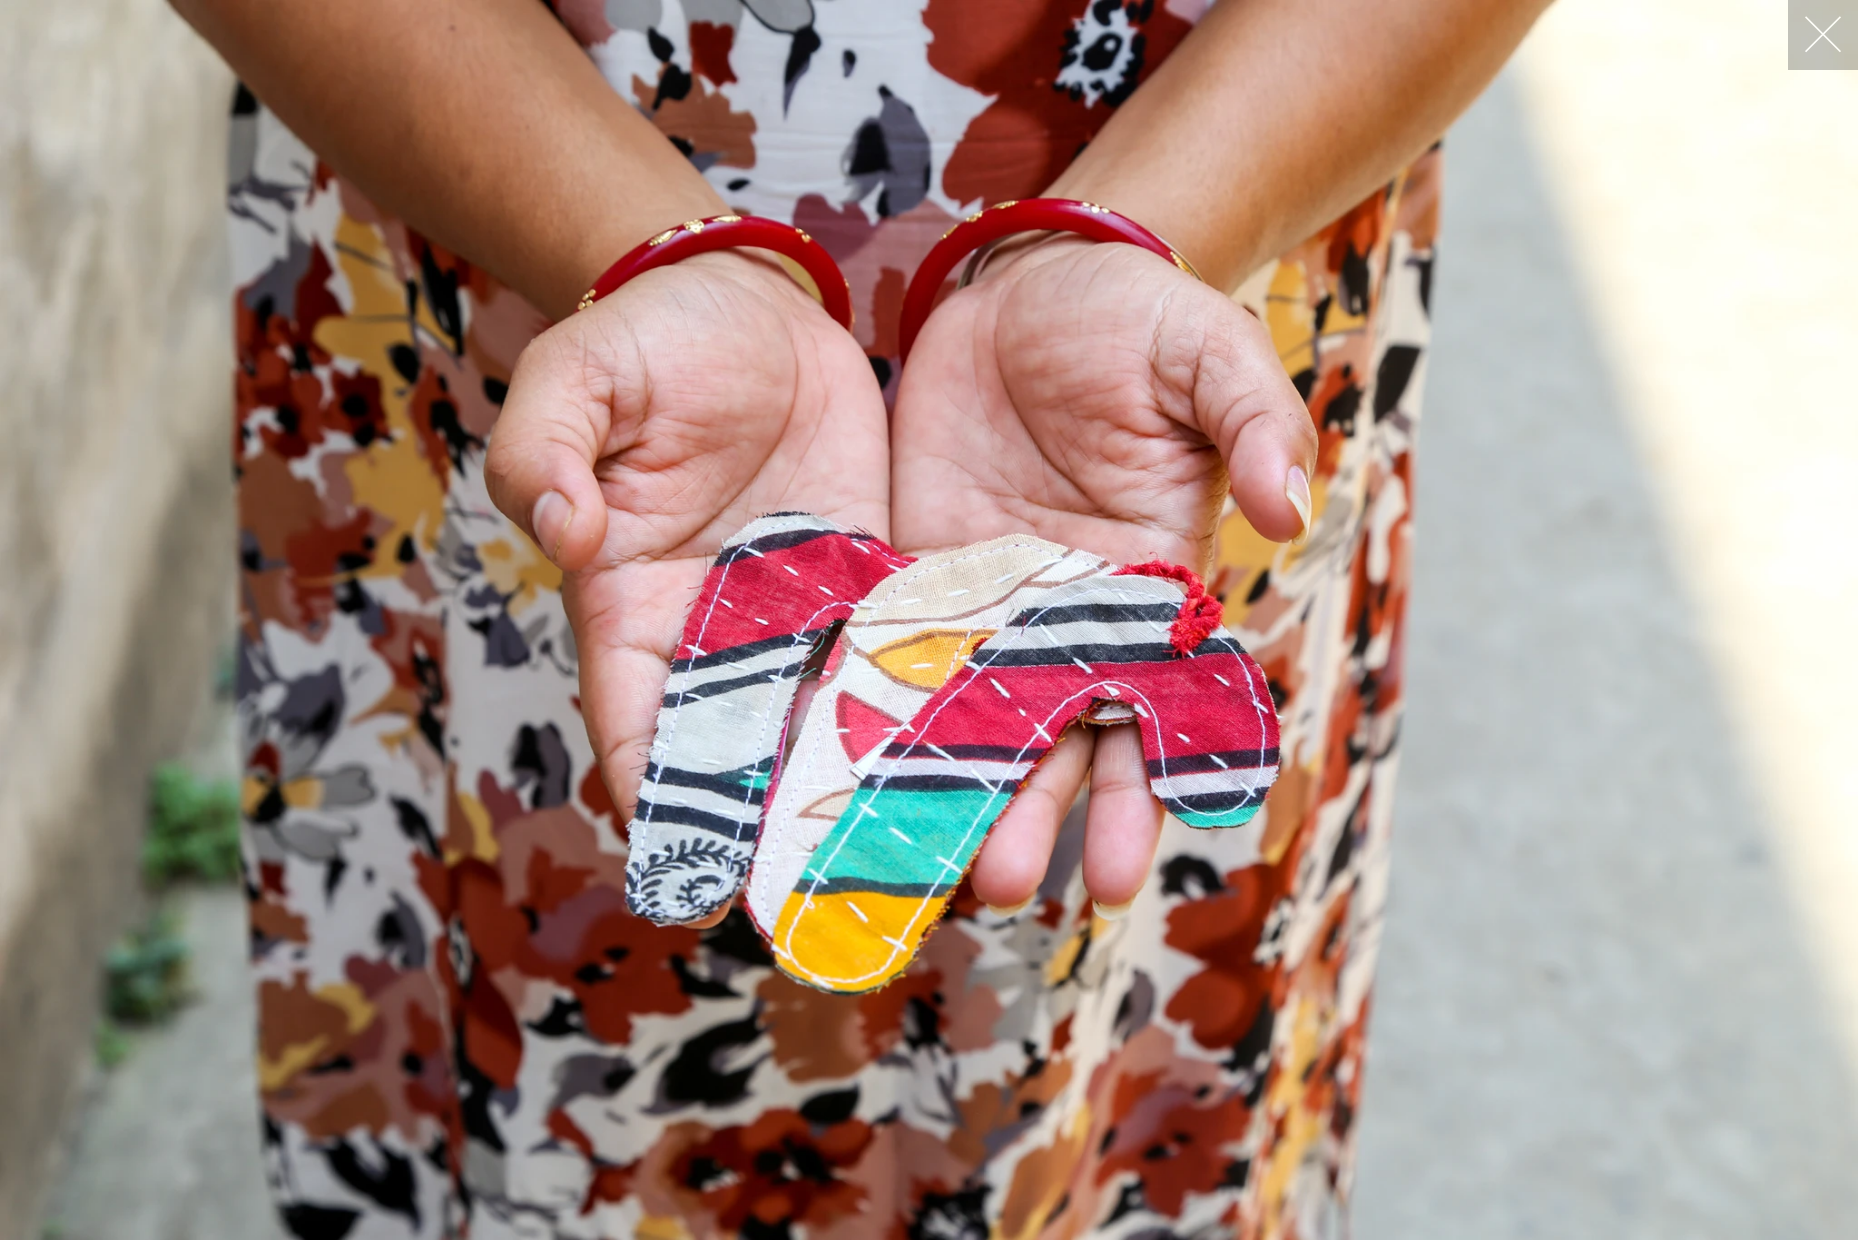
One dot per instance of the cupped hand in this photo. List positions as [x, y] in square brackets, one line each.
[1097, 396]
[640, 433]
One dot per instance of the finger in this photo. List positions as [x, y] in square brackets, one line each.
[1122, 825]
[712, 919]
[627, 631]
[620, 692]
[540, 468]
[1012, 861]
[1223, 359]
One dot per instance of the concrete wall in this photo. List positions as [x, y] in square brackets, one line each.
[115, 502]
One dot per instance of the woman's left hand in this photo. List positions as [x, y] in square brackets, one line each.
[1101, 398]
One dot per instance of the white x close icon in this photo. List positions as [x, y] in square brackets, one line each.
[1825, 34]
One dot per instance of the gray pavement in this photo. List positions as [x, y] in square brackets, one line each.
[168, 1148]
[1596, 1016]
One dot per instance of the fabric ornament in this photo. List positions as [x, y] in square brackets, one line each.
[952, 677]
[1096, 650]
[776, 590]
[902, 643]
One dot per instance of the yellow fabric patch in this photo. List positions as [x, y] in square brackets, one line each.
[394, 480]
[306, 793]
[253, 790]
[661, 1227]
[346, 997]
[483, 835]
[519, 571]
[929, 659]
[852, 941]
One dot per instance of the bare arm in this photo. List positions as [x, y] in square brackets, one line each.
[1119, 400]
[1275, 116]
[635, 435]
[480, 122]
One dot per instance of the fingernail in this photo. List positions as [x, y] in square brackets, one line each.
[1297, 491]
[1113, 912]
[1016, 909]
[550, 518]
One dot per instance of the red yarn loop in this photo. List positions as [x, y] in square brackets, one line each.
[1200, 612]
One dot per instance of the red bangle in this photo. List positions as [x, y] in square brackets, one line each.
[725, 232]
[980, 232]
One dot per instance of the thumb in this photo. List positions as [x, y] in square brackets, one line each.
[540, 467]
[1245, 403]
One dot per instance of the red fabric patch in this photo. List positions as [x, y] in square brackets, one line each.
[862, 727]
[710, 45]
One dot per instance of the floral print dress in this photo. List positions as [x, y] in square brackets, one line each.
[462, 1030]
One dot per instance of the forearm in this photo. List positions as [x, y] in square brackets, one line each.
[1275, 116]
[480, 122]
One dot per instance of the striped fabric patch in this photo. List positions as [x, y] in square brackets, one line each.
[775, 592]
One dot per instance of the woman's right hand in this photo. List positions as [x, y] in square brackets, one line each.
[640, 433]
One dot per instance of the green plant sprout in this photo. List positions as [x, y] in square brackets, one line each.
[193, 828]
[145, 974]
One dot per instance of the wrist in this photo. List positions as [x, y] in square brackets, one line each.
[605, 237]
[969, 242]
[752, 268]
[1182, 214]
[768, 246]
[1026, 252]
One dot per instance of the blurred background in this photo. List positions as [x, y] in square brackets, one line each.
[1619, 989]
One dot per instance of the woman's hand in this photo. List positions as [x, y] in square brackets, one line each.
[640, 433]
[1099, 397]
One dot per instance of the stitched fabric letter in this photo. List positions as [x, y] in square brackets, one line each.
[775, 591]
[1095, 649]
[902, 643]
